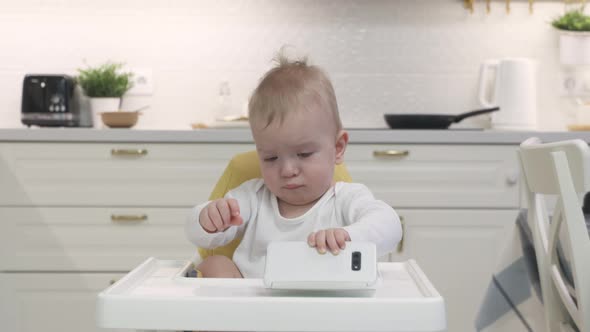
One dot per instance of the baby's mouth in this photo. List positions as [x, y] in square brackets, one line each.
[292, 186]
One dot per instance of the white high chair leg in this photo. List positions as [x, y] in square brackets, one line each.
[561, 169]
[566, 328]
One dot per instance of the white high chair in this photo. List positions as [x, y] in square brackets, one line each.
[157, 295]
[562, 169]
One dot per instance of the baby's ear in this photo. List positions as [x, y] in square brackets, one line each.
[341, 143]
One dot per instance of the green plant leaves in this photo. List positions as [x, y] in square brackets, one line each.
[105, 80]
[574, 20]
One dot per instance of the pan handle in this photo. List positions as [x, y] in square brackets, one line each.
[474, 113]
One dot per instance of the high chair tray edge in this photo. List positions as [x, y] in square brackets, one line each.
[156, 295]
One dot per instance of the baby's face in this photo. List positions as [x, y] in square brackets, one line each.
[297, 157]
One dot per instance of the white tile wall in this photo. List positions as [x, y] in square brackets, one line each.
[383, 55]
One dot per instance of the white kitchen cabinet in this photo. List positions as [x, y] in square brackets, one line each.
[89, 238]
[456, 201]
[51, 302]
[457, 250]
[437, 176]
[117, 174]
[73, 216]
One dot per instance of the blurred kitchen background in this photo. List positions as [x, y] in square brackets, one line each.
[405, 56]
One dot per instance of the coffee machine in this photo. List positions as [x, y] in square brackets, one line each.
[53, 101]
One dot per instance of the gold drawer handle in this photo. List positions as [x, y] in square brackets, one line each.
[129, 152]
[391, 153]
[400, 245]
[128, 217]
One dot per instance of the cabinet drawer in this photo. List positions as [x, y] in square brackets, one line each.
[89, 174]
[457, 250]
[434, 176]
[51, 302]
[90, 239]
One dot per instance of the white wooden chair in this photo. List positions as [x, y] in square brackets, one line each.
[561, 169]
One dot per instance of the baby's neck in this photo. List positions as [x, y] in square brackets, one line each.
[293, 211]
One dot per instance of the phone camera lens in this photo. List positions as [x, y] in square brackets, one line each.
[356, 261]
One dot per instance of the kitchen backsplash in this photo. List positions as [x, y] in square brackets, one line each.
[406, 56]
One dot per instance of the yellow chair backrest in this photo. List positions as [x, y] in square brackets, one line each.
[241, 168]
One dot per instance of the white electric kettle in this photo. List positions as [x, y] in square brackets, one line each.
[514, 91]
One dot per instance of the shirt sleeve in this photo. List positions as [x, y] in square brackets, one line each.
[246, 195]
[369, 219]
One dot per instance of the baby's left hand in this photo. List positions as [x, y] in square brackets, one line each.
[332, 239]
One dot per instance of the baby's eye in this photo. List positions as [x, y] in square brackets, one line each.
[269, 159]
[304, 154]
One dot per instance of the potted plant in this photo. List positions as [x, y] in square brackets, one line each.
[574, 39]
[104, 85]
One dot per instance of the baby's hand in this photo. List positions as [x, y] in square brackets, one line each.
[332, 239]
[220, 214]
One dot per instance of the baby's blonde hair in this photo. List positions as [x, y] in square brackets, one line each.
[288, 87]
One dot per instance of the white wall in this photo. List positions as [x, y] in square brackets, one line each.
[383, 55]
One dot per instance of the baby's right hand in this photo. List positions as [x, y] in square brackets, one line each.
[220, 214]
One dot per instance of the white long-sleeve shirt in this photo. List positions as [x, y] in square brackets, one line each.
[347, 205]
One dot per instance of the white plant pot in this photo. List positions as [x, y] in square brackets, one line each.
[99, 105]
[574, 48]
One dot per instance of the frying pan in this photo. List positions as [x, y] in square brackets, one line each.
[430, 121]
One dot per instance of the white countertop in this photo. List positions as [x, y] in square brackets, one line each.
[359, 136]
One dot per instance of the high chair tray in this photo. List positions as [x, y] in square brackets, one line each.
[157, 296]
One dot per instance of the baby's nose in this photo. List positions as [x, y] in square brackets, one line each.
[289, 168]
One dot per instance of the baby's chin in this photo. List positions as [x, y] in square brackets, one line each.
[293, 202]
[299, 201]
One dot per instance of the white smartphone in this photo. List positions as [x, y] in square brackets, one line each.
[295, 265]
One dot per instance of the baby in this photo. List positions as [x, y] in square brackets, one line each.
[299, 139]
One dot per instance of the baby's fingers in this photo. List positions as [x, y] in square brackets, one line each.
[341, 236]
[331, 241]
[311, 239]
[215, 217]
[320, 241]
[236, 220]
[234, 209]
[224, 212]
